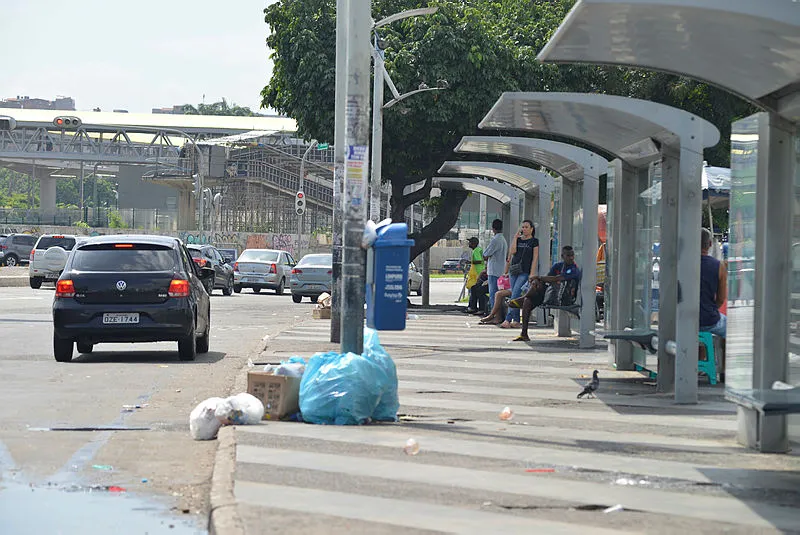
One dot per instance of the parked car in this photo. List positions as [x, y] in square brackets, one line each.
[15, 249]
[48, 258]
[209, 256]
[262, 268]
[452, 265]
[414, 279]
[131, 289]
[229, 254]
[311, 277]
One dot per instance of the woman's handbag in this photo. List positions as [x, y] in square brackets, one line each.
[515, 269]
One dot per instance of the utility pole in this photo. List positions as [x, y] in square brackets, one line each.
[357, 135]
[426, 266]
[338, 168]
[311, 147]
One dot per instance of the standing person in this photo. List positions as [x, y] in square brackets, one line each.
[476, 264]
[495, 255]
[524, 253]
[713, 288]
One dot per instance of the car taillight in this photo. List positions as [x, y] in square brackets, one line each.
[273, 268]
[200, 261]
[330, 272]
[296, 271]
[179, 288]
[598, 288]
[65, 288]
[236, 266]
[3, 247]
[33, 251]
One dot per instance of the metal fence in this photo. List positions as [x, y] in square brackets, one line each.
[133, 218]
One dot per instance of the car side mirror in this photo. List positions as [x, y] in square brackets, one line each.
[206, 273]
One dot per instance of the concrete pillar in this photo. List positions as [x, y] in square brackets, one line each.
[47, 198]
[621, 255]
[671, 212]
[565, 218]
[687, 311]
[544, 218]
[774, 209]
[186, 210]
[511, 226]
[482, 221]
[591, 192]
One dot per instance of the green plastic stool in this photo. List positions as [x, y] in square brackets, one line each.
[708, 366]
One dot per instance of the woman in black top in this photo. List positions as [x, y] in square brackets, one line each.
[524, 255]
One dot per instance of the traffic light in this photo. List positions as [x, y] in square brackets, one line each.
[300, 203]
[7, 123]
[66, 122]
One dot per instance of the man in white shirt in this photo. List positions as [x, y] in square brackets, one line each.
[495, 255]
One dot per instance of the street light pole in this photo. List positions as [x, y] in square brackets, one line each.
[311, 147]
[377, 132]
[380, 76]
[338, 167]
[356, 169]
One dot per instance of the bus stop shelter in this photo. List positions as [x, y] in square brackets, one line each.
[579, 171]
[750, 49]
[636, 133]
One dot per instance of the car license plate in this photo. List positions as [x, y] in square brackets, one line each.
[114, 318]
[313, 286]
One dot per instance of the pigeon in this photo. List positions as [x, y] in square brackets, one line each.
[591, 387]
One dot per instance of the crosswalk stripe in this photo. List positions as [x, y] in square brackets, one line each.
[598, 413]
[408, 514]
[538, 394]
[394, 437]
[709, 508]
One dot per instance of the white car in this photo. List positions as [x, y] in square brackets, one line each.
[48, 258]
[414, 279]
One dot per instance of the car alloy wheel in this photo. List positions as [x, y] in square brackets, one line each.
[11, 260]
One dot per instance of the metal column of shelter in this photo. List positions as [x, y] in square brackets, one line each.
[630, 129]
[748, 48]
[574, 164]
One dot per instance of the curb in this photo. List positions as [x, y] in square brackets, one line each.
[223, 516]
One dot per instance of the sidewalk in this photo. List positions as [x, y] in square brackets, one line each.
[14, 276]
[553, 468]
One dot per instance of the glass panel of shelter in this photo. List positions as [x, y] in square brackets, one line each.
[741, 255]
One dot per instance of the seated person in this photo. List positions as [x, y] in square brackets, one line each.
[713, 288]
[479, 295]
[498, 313]
[564, 273]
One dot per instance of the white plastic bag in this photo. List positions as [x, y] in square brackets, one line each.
[291, 369]
[241, 409]
[203, 423]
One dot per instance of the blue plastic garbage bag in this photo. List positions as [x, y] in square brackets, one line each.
[350, 389]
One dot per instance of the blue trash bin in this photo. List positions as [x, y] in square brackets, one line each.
[387, 278]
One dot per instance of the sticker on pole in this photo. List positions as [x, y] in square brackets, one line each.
[355, 175]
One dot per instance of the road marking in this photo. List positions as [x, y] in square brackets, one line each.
[415, 515]
[655, 501]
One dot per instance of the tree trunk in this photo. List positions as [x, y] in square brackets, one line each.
[449, 210]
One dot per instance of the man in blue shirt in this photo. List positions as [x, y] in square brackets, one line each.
[565, 273]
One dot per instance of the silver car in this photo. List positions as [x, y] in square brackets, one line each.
[311, 277]
[414, 279]
[262, 268]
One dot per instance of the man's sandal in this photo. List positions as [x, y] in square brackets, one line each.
[521, 338]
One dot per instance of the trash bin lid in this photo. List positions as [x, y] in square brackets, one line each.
[393, 235]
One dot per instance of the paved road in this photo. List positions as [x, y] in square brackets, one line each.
[38, 393]
[553, 468]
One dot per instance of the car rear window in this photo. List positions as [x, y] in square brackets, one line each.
[259, 256]
[196, 253]
[137, 257]
[325, 260]
[46, 242]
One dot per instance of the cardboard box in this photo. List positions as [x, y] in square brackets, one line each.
[321, 313]
[279, 394]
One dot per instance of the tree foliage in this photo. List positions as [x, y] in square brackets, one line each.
[219, 108]
[18, 190]
[481, 48]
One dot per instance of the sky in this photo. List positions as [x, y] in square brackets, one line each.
[135, 55]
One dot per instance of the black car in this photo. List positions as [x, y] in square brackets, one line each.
[131, 289]
[210, 256]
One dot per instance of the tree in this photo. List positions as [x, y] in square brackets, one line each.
[481, 48]
[218, 108]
